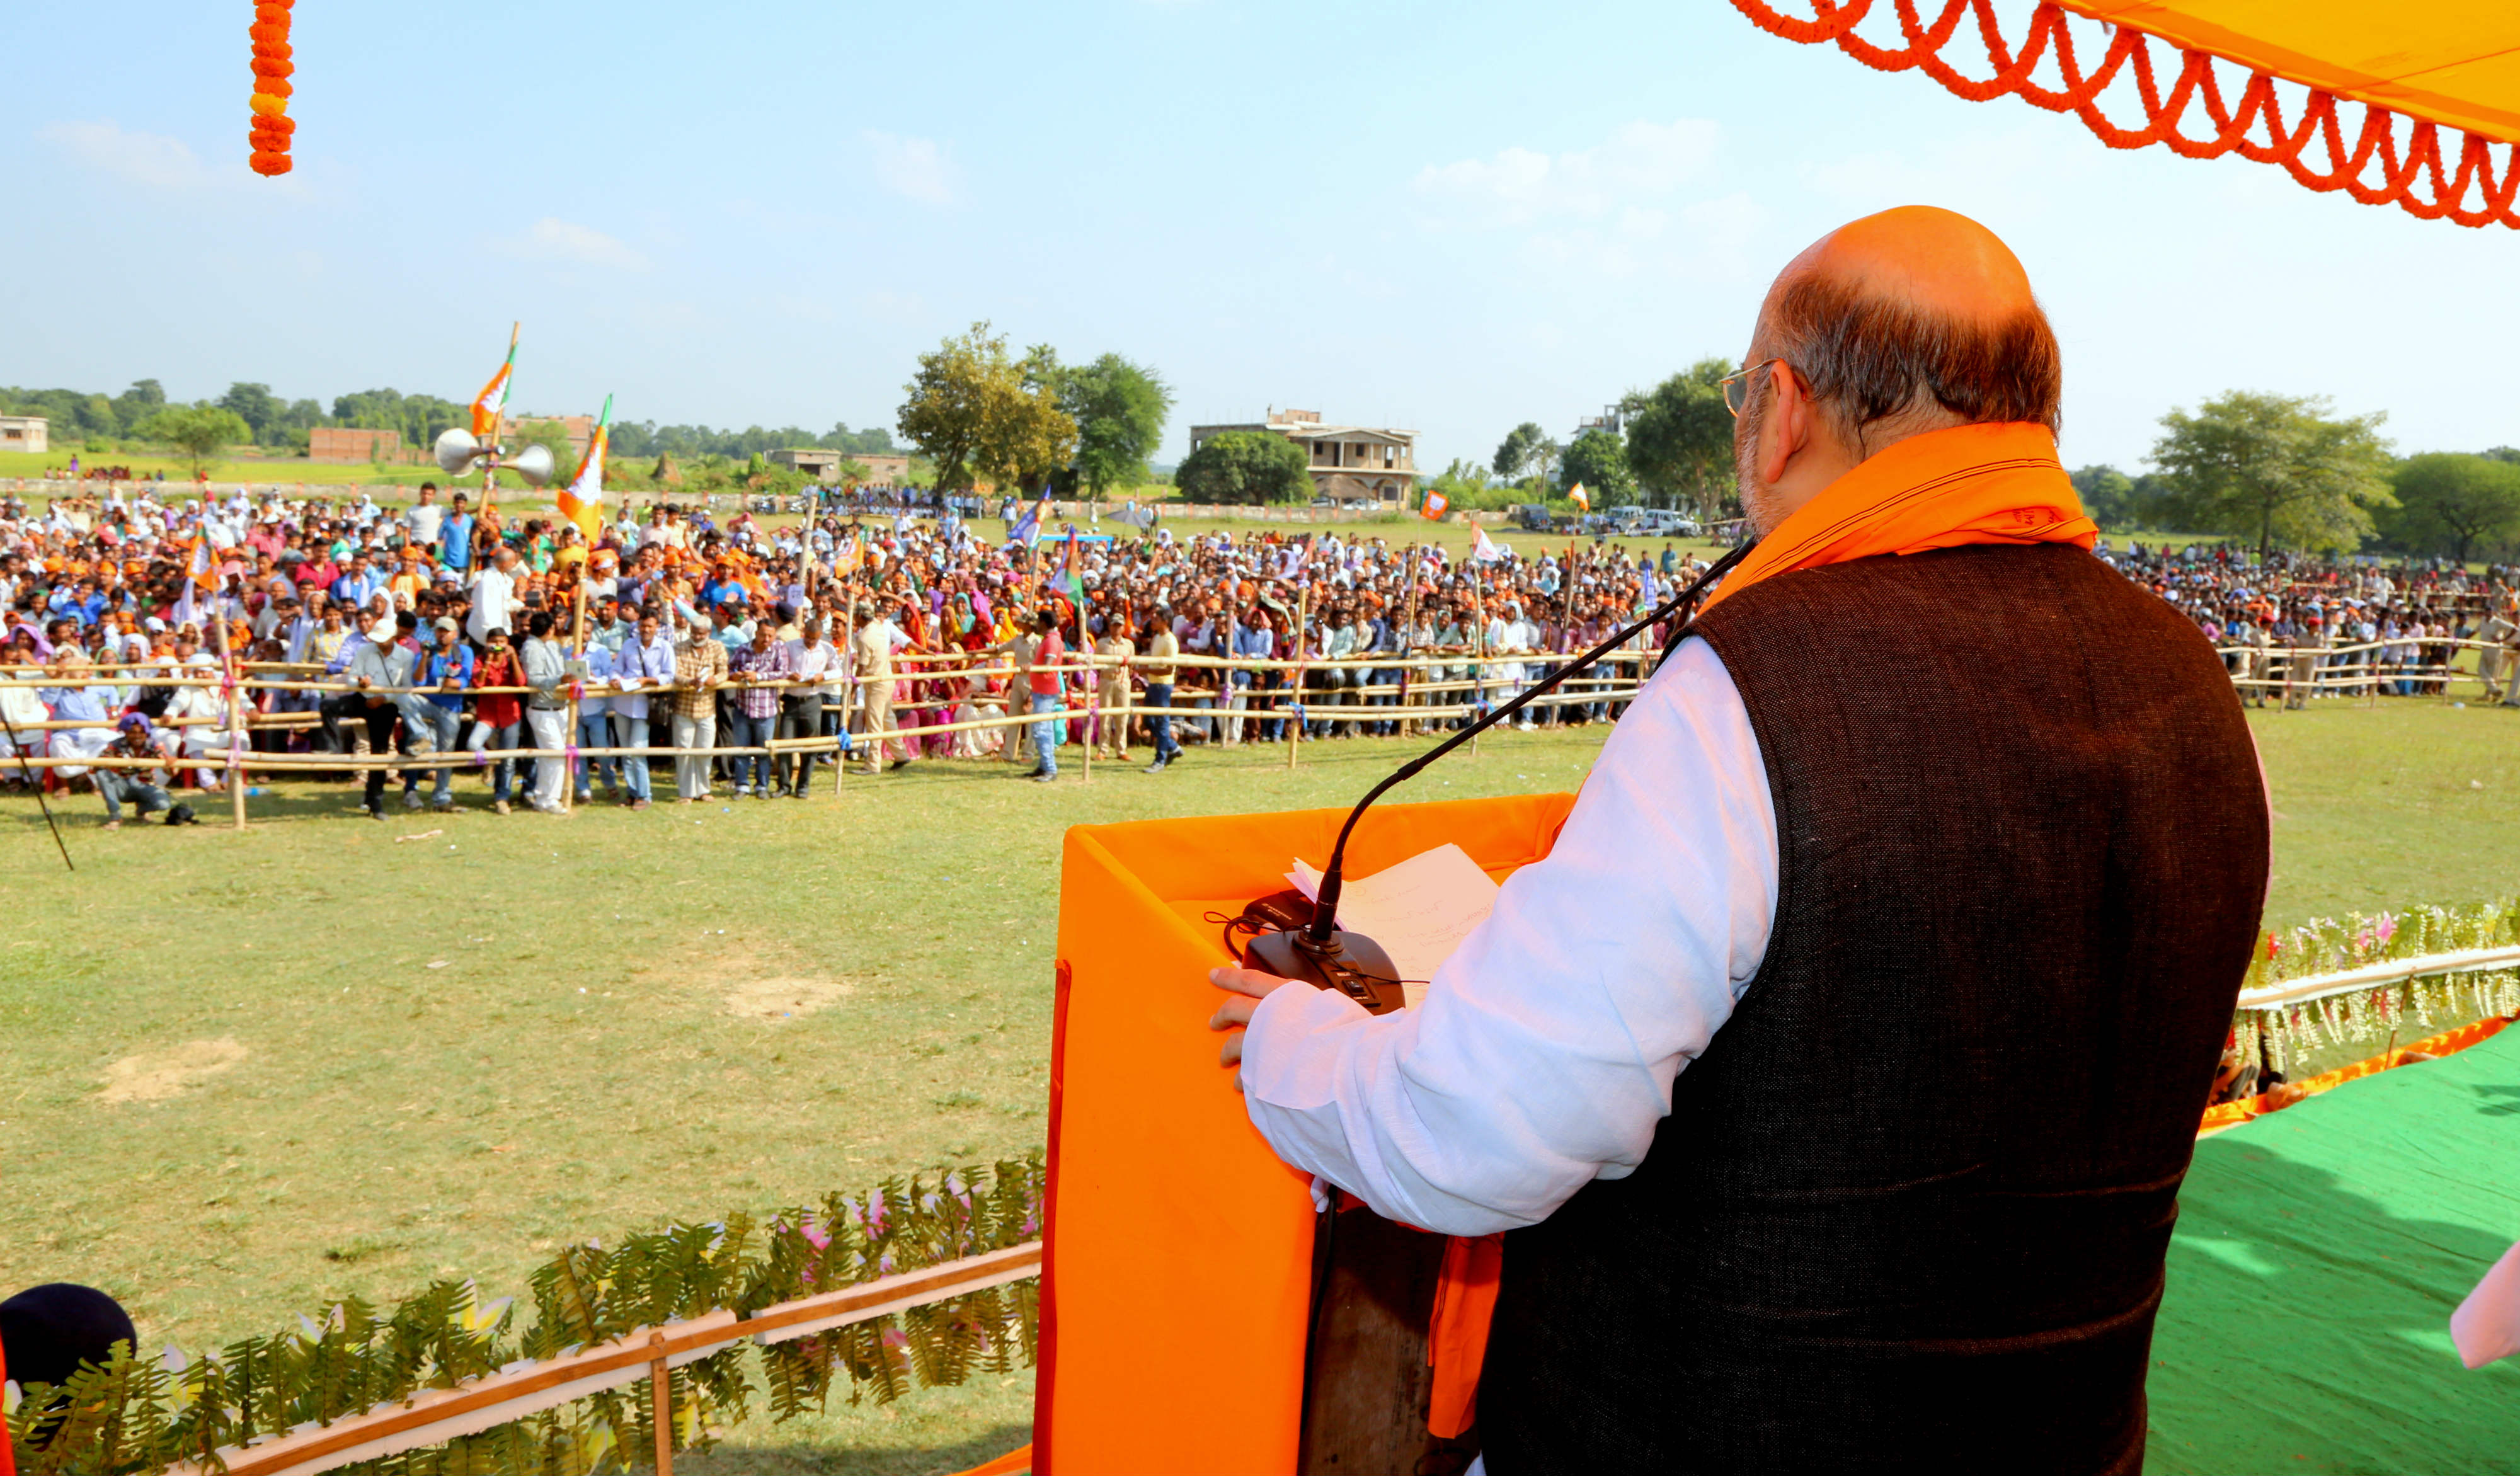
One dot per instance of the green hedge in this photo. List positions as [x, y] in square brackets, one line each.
[140, 1413]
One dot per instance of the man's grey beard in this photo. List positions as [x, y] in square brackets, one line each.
[1758, 503]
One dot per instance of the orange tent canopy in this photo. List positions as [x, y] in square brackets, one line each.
[2436, 82]
[2449, 62]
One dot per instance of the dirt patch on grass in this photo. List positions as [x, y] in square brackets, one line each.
[156, 1075]
[779, 998]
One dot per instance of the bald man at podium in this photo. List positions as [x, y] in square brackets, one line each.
[1834, 1078]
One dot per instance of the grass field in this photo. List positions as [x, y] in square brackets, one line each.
[255, 1072]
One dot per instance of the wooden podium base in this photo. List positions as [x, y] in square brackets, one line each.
[1366, 1381]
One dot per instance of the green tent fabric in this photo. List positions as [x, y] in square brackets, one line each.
[2320, 1253]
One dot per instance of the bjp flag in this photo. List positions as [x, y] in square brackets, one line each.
[581, 502]
[492, 402]
[1432, 508]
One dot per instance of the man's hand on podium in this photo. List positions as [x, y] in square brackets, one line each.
[1248, 986]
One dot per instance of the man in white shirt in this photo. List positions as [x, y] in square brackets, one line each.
[423, 518]
[495, 605]
[814, 661]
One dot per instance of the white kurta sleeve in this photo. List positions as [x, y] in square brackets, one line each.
[1543, 1053]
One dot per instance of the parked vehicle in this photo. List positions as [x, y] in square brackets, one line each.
[1534, 518]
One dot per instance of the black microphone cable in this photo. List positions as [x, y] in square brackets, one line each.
[1326, 897]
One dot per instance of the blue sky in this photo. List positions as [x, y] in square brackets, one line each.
[1450, 217]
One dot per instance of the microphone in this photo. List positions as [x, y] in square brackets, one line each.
[1354, 965]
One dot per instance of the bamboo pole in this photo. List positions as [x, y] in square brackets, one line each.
[660, 1393]
[576, 684]
[235, 724]
[1479, 617]
[1295, 678]
[1407, 644]
[850, 693]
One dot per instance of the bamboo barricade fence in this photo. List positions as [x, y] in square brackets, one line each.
[2380, 975]
[2303, 670]
[527, 1387]
[2313, 670]
[1283, 703]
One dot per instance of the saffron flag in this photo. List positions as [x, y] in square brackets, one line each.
[187, 611]
[1579, 497]
[492, 402]
[1432, 508]
[581, 502]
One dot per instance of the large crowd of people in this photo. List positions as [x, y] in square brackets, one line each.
[2303, 629]
[457, 639]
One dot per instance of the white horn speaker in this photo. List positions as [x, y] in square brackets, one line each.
[533, 464]
[456, 450]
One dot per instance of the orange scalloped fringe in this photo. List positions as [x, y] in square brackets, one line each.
[2255, 129]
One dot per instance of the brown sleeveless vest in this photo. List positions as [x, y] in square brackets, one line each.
[1910, 1209]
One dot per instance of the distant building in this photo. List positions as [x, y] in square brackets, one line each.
[25, 432]
[882, 471]
[339, 444]
[1350, 464]
[580, 430]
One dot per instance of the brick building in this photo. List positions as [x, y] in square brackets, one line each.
[580, 430]
[346, 445]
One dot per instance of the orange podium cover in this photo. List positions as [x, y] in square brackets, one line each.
[1177, 1270]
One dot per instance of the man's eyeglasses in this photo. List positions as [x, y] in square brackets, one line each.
[1737, 387]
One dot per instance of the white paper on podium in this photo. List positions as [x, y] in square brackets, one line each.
[1420, 911]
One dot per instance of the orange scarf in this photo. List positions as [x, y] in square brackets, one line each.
[1940, 490]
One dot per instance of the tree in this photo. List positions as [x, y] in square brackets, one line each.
[2108, 498]
[2454, 499]
[197, 431]
[1598, 460]
[1679, 439]
[980, 412]
[145, 398]
[1244, 467]
[1119, 409]
[2277, 467]
[256, 406]
[1514, 456]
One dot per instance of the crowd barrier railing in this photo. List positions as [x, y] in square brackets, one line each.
[435, 1416]
[861, 717]
[1290, 693]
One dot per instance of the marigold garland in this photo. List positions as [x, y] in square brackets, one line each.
[2254, 128]
[271, 128]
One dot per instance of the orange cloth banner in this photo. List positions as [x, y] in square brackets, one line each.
[1456, 1337]
[1944, 489]
[1177, 1260]
[2233, 1113]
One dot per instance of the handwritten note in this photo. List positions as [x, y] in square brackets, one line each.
[1420, 911]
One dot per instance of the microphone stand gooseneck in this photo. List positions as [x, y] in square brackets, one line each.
[1351, 963]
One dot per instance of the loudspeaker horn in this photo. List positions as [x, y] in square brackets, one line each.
[533, 464]
[456, 450]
